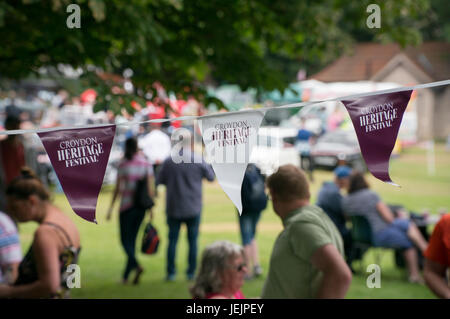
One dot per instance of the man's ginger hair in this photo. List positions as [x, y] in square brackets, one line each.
[289, 183]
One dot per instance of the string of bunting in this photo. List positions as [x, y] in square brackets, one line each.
[80, 154]
[264, 109]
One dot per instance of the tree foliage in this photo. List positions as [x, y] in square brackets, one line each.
[186, 44]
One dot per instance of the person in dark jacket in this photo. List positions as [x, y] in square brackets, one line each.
[330, 200]
[183, 181]
[254, 201]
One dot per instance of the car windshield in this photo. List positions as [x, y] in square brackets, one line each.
[269, 141]
[347, 139]
[275, 141]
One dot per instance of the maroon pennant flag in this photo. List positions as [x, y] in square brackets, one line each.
[376, 120]
[79, 157]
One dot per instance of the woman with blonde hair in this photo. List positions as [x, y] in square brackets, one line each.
[221, 273]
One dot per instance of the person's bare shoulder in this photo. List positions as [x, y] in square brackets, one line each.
[218, 297]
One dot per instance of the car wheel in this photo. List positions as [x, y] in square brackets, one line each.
[305, 163]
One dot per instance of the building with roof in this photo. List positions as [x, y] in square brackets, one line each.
[428, 62]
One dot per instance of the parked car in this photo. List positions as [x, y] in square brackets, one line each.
[275, 147]
[335, 147]
[315, 117]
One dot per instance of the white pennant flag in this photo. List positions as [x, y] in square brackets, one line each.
[229, 140]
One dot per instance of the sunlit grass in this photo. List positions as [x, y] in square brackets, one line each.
[102, 259]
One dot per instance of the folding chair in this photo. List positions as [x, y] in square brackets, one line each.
[362, 237]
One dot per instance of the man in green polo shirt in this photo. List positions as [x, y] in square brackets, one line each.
[308, 257]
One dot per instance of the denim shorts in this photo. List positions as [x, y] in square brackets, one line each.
[394, 236]
[247, 223]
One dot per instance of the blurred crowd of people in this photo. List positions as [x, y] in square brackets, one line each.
[311, 258]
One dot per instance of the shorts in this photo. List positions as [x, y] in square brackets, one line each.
[247, 223]
[394, 236]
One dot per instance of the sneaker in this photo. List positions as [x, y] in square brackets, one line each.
[170, 278]
[139, 272]
[257, 271]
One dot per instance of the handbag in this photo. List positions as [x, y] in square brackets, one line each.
[141, 197]
[150, 241]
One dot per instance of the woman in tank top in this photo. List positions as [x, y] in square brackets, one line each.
[56, 244]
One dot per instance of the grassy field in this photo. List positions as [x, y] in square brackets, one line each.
[102, 259]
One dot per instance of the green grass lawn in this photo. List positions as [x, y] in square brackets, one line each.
[102, 259]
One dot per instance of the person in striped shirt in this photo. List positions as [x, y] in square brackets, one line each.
[10, 251]
[133, 168]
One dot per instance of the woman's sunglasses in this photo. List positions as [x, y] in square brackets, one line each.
[241, 267]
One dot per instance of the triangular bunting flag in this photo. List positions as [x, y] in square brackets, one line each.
[229, 140]
[376, 120]
[79, 157]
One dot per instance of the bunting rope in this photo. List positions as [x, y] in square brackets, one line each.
[263, 109]
[80, 154]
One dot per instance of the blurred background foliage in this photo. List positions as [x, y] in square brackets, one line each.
[186, 45]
